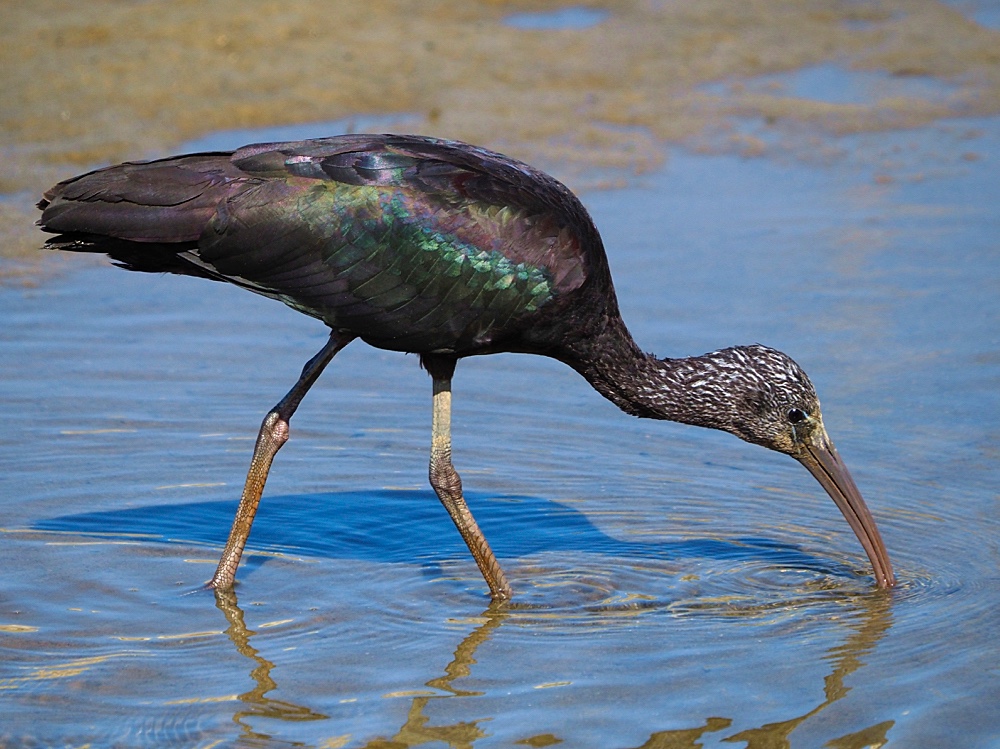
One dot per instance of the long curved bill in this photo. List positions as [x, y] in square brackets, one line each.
[822, 461]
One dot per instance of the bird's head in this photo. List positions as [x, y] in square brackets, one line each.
[764, 397]
[758, 394]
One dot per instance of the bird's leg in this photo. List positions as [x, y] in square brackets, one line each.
[273, 434]
[447, 484]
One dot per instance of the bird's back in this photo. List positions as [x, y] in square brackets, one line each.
[410, 243]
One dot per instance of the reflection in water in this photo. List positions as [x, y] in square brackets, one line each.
[685, 738]
[416, 731]
[871, 622]
[256, 701]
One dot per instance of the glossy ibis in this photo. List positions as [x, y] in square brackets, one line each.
[445, 250]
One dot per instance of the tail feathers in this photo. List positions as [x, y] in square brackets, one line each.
[144, 215]
[144, 257]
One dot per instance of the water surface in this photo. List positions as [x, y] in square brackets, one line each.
[674, 586]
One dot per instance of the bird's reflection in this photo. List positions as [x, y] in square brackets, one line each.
[256, 702]
[462, 735]
[871, 623]
[414, 732]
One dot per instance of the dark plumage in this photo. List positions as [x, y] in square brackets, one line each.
[442, 249]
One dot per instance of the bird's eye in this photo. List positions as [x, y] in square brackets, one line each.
[797, 415]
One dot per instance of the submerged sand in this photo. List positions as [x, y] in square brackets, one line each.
[85, 84]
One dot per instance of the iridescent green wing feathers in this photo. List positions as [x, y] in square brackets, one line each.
[400, 242]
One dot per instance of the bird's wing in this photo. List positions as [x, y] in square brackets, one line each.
[165, 201]
[478, 197]
[409, 242]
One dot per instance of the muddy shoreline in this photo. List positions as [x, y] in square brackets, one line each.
[104, 81]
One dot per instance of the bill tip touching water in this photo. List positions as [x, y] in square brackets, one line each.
[442, 249]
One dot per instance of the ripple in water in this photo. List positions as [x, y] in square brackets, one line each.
[565, 591]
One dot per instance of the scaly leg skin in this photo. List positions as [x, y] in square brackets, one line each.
[447, 484]
[273, 434]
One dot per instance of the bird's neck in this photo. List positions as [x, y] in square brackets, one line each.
[643, 385]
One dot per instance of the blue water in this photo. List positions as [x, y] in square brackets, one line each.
[674, 586]
[984, 12]
[834, 84]
[572, 17]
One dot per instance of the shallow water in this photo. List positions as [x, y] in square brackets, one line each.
[834, 84]
[573, 17]
[674, 587]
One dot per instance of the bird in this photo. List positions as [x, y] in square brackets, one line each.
[442, 249]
